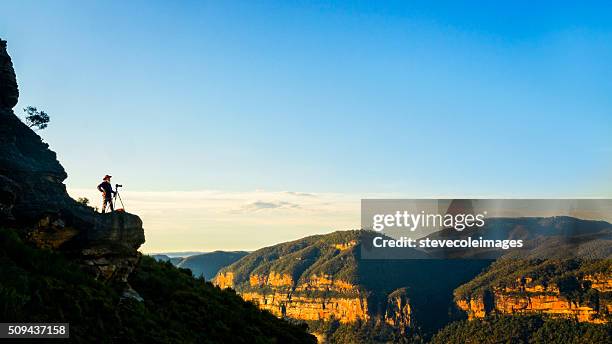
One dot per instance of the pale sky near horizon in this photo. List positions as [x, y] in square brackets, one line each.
[220, 118]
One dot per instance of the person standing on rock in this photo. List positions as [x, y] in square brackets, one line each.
[107, 193]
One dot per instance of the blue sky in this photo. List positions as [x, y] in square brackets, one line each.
[350, 98]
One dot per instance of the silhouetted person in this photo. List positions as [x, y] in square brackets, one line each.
[107, 193]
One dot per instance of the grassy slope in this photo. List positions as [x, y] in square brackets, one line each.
[39, 286]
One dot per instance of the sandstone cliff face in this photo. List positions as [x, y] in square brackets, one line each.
[224, 280]
[314, 295]
[343, 309]
[279, 294]
[33, 198]
[525, 297]
[283, 299]
[273, 279]
[601, 282]
[399, 312]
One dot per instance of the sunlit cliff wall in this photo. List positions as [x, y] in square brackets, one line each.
[528, 298]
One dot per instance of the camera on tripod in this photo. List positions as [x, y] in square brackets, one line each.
[117, 186]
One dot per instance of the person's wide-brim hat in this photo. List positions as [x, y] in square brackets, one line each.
[106, 177]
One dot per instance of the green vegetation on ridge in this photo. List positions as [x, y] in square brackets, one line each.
[313, 255]
[566, 274]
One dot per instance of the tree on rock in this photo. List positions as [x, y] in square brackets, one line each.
[35, 118]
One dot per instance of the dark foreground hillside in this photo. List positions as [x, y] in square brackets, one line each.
[42, 286]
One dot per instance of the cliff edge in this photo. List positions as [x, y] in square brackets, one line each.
[34, 201]
[45, 236]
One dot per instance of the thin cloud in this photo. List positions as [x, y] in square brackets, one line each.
[261, 205]
[300, 194]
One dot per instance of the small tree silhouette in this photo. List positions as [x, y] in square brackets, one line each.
[35, 118]
[83, 200]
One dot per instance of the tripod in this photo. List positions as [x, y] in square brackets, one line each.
[117, 186]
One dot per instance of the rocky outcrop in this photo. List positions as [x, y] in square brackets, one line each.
[527, 298]
[224, 280]
[273, 279]
[345, 245]
[600, 281]
[399, 312]
[9, 93]
[104, 244]
[34, 201]
[324, 283]
[474, 307]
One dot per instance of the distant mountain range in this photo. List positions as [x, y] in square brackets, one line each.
[544, 237]
[181, 254]
[203, 264]
[165, 258]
